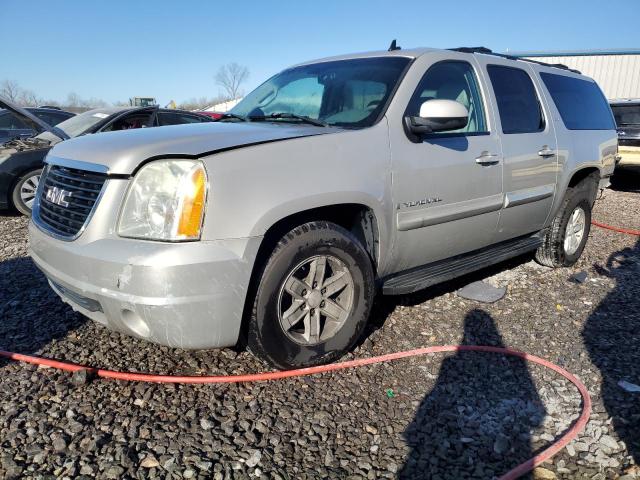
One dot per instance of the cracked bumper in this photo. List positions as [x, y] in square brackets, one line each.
[187, 295]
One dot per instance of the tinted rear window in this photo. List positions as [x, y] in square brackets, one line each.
[626, 114]
[581, 104]
[518, 103]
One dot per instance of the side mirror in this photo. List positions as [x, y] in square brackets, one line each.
[438, 116]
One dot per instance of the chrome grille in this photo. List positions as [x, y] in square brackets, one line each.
[67, 198]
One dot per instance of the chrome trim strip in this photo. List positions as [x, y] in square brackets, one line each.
[77, 164]
[35, 213]
[528, 195]
[425, 217]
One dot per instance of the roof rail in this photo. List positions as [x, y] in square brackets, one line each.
[488, 51]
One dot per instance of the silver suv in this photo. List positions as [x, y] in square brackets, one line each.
[332, 181]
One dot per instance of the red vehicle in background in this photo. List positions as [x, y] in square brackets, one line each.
[214, 115]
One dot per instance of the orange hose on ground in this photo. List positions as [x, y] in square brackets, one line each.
[512, 474]
[616, 229]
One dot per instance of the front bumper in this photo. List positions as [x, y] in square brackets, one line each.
[186, 295]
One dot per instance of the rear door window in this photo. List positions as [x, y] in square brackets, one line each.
[581, 103]
[518, 103]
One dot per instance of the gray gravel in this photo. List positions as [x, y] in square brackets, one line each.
[448, 416]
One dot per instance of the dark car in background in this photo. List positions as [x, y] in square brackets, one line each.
[12, 126]
[21, 159]
[627, 115]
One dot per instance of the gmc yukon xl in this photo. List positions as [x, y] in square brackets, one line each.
[333, 181]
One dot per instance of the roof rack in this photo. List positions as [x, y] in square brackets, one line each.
[488, 51]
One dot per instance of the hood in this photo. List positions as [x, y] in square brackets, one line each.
[121, 152]
[34, 122]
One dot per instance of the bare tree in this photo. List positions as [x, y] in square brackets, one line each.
[200, 103]
[10, 90]
[29, 99]
[230, 77]
[73, 100]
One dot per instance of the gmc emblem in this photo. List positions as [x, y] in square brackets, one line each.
[58, 196]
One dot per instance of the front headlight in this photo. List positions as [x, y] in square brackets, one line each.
[165, 201]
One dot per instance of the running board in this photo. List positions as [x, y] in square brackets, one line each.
[422, 277]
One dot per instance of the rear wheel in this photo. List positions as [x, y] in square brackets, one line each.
[313, 299]
[24, 191]
[567, 236]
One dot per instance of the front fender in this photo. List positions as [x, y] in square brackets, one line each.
[252, 188]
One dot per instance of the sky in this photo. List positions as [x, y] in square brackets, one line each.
[171, 50]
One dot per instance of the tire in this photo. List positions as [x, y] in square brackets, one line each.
[27, 182]
[284, 347]
[554, 252]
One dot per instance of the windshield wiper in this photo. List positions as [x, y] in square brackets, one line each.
[225, 116]
[289, 116]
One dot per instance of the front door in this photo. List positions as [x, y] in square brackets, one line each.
[447, 187]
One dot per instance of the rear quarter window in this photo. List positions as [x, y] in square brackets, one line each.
[581, 103]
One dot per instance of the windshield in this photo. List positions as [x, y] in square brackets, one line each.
[77, 125]
[346, 93]
[626, 114]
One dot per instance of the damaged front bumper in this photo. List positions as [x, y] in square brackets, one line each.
[186, 295]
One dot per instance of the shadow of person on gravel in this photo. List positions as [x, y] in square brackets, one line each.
[31, 314]
[612, 337]
[476, 421]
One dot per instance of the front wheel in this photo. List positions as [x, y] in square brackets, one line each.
[313, 299]
[24, 191]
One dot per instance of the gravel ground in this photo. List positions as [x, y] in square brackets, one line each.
[457, 416]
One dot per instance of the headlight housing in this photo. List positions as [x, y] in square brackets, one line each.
[165, 201]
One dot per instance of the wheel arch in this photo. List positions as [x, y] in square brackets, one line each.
[584, 173]
[358, 218]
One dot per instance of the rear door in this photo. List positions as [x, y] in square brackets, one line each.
[529, 146]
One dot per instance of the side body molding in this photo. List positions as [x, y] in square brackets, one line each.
[528, 195]
[425, 217]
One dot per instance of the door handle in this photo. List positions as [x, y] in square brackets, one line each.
[546, 152]
[487, 158]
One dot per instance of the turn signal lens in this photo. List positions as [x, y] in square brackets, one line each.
[193, 205]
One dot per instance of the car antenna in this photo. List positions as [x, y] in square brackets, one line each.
[394, 46]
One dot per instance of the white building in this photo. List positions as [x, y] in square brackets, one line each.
[617, 71]
[224, 106]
